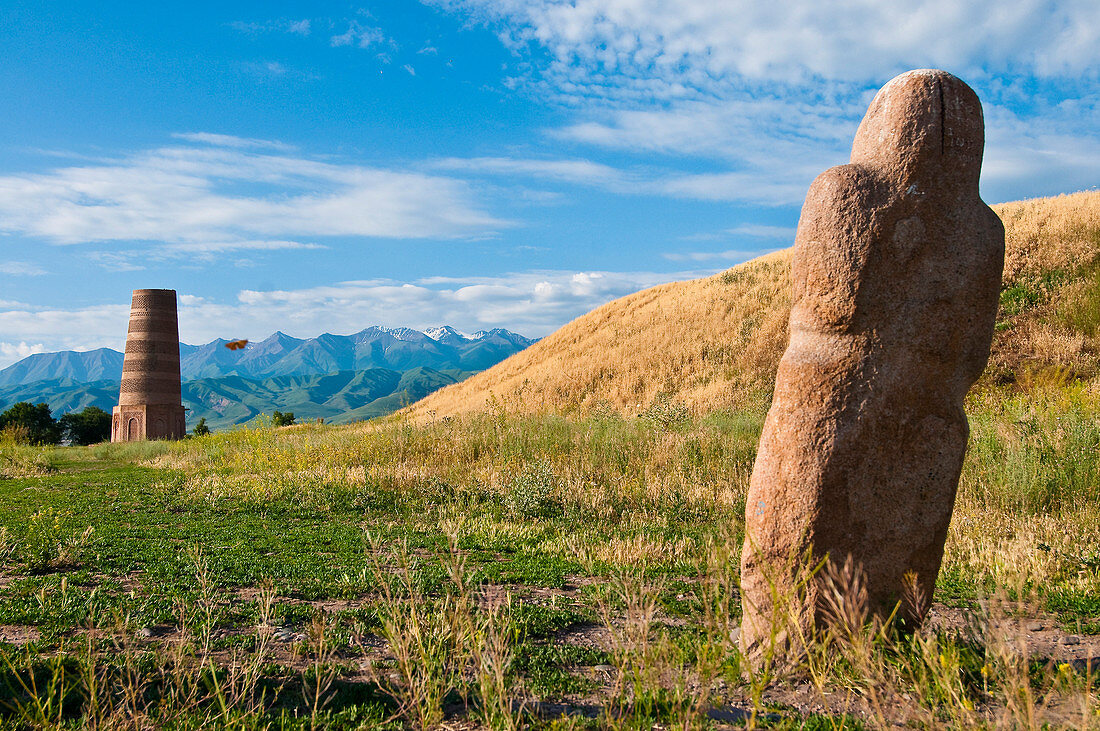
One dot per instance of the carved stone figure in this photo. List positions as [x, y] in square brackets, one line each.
[149, 402]
[896, 275]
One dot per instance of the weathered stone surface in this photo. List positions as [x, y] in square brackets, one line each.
[149, 403]
[896, 275]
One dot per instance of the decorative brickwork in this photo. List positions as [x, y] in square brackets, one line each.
[149, 404]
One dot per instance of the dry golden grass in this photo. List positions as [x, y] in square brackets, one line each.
[1050, 233]
[707, 342]
[716, 342]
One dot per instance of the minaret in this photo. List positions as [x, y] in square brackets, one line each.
[149, 403]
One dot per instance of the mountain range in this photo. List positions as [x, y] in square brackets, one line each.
[339, 378]
[398, 349]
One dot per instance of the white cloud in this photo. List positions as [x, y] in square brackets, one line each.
[744, 127]
[216, 247]
[12, 352]
[358, 35]
[774, 91]
[583, 172]
[680, 46]
[1042, 156]
[779, 187]
[530, 302]
[300, 27]
[51, 329]
[778, 147]
[136, 258]
[121, 261]
[294, 27]
[191, 197]
[218, 140]
[21, 269]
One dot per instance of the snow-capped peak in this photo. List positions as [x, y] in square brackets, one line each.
[405, 333]
[445, 334]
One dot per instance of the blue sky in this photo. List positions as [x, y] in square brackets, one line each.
[313, 167]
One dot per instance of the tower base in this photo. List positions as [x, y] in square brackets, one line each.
[149, 421]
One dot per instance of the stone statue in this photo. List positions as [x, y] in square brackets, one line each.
[896, 275]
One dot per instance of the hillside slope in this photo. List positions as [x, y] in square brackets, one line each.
[716, 342]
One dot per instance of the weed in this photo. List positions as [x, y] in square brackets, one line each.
[535, 492]
[50, 544]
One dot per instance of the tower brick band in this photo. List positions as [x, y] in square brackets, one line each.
[150, 405]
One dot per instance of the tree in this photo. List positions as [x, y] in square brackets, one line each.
[201, 429]
[278, 418]
[41, 427]
[90, 426]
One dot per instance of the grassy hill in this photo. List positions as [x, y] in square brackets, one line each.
[716, 342]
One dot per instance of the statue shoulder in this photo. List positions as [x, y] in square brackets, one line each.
[841, 187]
[834, 237]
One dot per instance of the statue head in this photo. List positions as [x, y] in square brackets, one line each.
[923, 126]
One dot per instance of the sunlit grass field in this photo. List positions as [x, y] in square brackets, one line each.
[513, 570]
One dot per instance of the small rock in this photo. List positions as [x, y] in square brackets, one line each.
[145, 632]
[1034, 626]
[735, 635]
[285, 634]
[1071, 640]
[609, 669]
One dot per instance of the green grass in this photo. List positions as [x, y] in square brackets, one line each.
[1035, 452]
[552, 512]
[1081, 312]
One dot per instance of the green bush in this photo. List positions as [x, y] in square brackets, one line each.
[90, 426]
[535, 492]
[50, 543]
[41, 427]
[278, 418]
[1018, 298]
[664, 413]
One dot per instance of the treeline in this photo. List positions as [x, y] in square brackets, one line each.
[27, 423]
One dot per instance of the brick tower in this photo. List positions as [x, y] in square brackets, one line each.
[149, 403]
